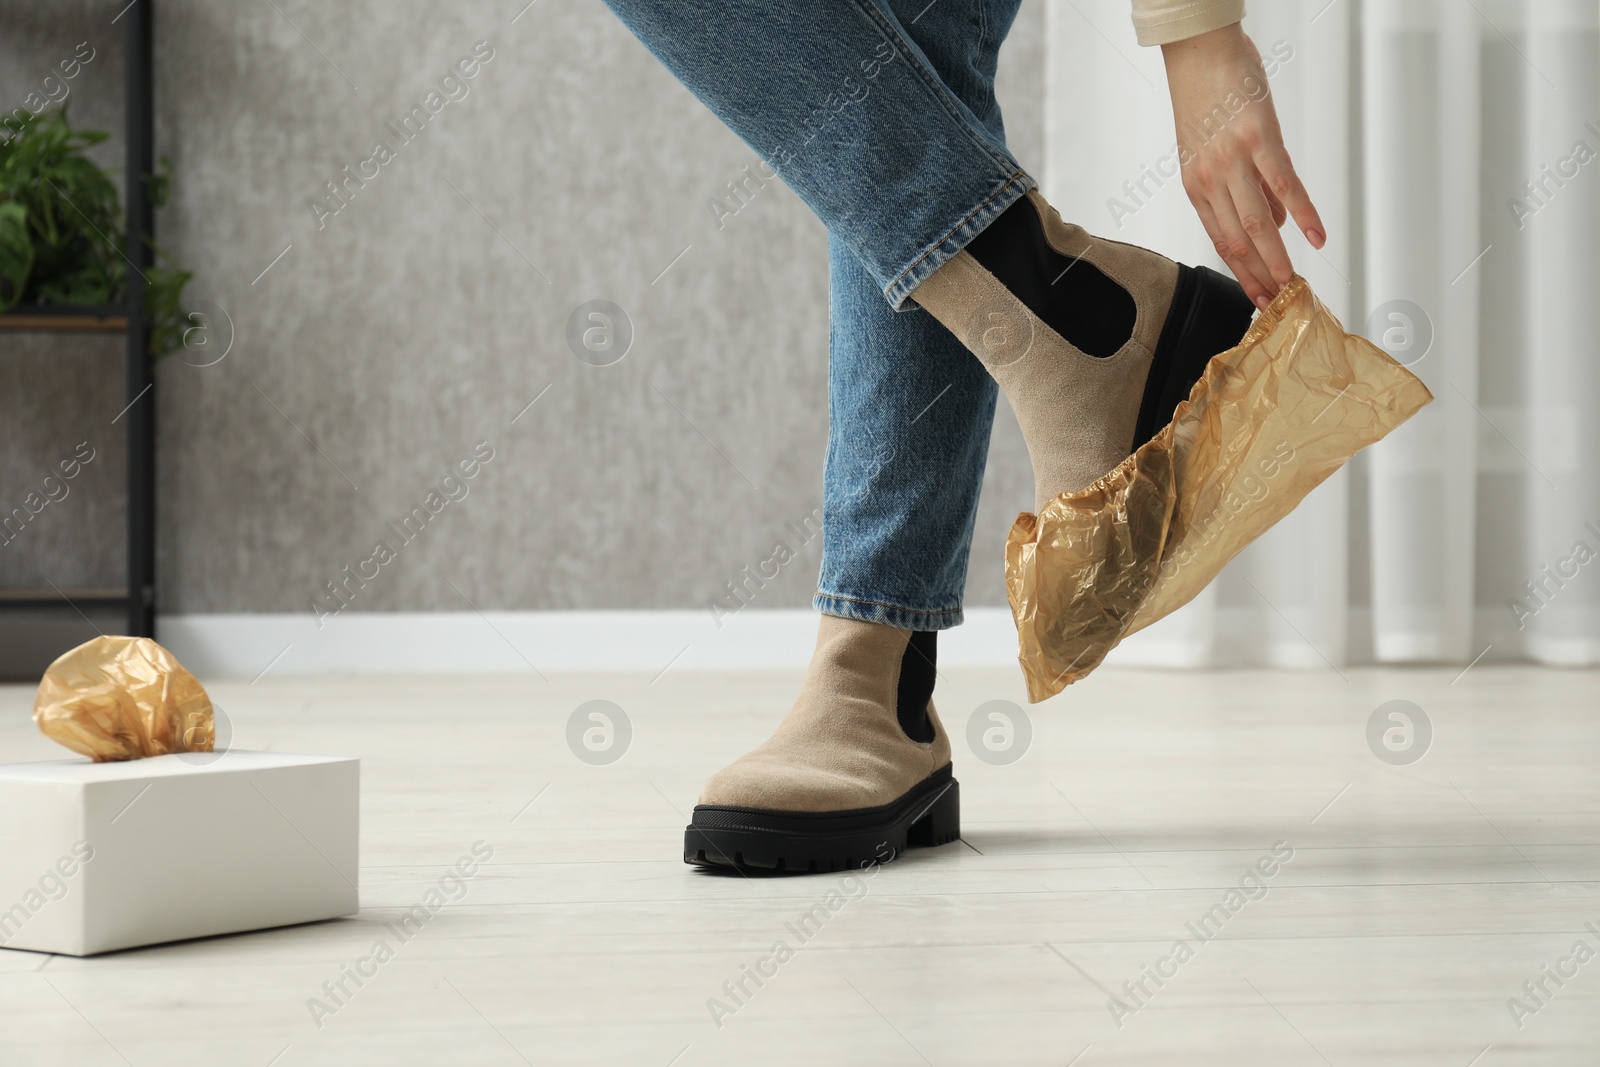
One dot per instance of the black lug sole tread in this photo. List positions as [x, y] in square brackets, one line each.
[758, 840]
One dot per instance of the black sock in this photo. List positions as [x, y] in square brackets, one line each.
[1072, 296]
[916, 686]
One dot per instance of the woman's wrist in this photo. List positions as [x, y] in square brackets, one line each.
[1208, 48]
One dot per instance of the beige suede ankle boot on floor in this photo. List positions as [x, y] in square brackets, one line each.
[1156, 324]
[855, 773]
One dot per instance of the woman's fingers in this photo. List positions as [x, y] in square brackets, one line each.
[1284, 184]
[1222, 224]
[1267, 253]
[1238, 251]
[1278, 212]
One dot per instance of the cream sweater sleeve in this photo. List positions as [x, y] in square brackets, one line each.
[1166, 21]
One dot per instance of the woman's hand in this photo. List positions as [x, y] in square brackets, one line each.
[1235, 169]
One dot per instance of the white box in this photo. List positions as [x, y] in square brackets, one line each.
[102, 856]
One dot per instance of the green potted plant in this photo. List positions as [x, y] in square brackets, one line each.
[62, 231]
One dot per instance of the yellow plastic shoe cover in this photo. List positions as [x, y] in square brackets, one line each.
[1266, 423]
[121, 698]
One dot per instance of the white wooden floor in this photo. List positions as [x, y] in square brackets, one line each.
[1418, 900]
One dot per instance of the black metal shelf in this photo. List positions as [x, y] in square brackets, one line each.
[65, 318]
[65, 599]
[128, 319]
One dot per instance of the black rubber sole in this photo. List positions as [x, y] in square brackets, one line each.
[1209, 314]
[758, 839]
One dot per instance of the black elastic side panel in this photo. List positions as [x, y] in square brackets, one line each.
[916, 686]
[1210, 313]
[1072, 296]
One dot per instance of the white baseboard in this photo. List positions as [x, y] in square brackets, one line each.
[242, 646]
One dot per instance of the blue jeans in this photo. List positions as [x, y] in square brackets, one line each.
[881, 116]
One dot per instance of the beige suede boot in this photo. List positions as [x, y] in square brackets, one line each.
[855, 773]
[1082, 414]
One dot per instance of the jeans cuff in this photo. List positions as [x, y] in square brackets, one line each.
[1014, 189]
[899, 616]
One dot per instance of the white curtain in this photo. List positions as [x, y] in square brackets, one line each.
[1453, 150]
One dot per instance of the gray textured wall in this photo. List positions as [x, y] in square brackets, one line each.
[427, 312]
